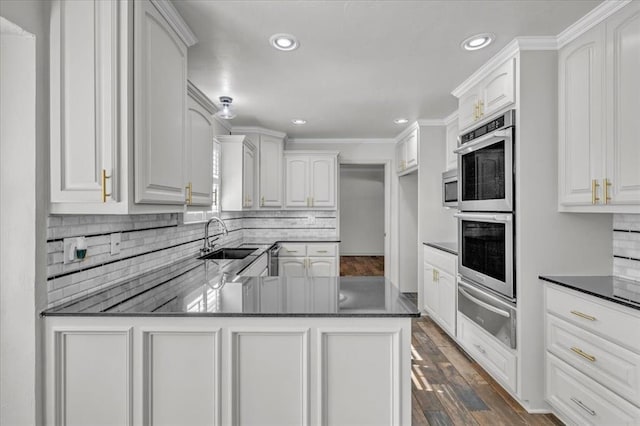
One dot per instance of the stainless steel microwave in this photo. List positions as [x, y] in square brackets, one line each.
[450, 188]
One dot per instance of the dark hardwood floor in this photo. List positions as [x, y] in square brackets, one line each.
[368, 266]
[451, 389]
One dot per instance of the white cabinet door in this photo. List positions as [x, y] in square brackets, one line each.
[248, 168]
[270, 171]
[401, 156]
[447, 301]
[84, 139]
[323, 181]
[468, 108]
[411, 149]
[292, 266]
[322, 267]
[580, 118]
[451, 144]
[199, 149]
[498, 89]
[297, 181]
[430, 297]
[160, 110]
[623, 105]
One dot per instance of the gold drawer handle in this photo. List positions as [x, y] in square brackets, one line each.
[585, 316]
[594, 191]
[583, 354]
[104, 186]
[322, 251]
[605, 185]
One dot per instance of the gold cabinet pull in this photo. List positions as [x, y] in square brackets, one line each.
[322, 251]
[583, 354]
[262, 202]
[605, 186]
[585, 316]
[594, 191]
[480, 109]
[189, 190]
[104, 186]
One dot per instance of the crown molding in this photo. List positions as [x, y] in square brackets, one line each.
[345, 141]
[537, 43]
[591, 19]
[450, 118]
[201, 98]
[257, 129]
[405, 132]
[169, 12]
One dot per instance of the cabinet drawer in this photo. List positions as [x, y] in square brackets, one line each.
[496, 358]
[321, 250]
[292, 249]
[595, 316]
[441, 260]
[582, 400]
[609, 364]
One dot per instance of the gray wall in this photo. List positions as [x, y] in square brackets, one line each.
[361, 210]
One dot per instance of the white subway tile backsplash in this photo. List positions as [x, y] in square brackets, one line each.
[626, 245]
[155, 240]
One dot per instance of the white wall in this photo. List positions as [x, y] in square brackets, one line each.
[361, 210]
[18, 310]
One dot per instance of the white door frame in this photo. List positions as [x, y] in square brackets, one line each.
[387, 204]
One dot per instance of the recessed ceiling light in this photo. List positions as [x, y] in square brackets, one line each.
[298, 121]
[401, 121]
[285, 42]
[478, 41]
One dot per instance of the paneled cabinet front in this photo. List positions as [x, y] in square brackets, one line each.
[308, 260]
[451, 158]
[270, 174]
[238, 172]
[495, 92]
[118, 126]
[199, 150]
[439, 289]
[310, 180]
[407, 152]
[598, 127]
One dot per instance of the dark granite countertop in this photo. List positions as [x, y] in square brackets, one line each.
[195, 287]
[448, 247]
[614, 289]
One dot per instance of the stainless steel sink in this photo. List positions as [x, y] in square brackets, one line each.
[229, 253]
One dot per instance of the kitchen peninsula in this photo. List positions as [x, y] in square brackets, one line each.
[191, 343]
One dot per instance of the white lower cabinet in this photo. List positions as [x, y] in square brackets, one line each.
[439, 288]
[228, 371]
[592, 359]
[308, 260]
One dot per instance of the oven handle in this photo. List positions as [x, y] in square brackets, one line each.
[484, 217]
[485, 305]
[484, 141]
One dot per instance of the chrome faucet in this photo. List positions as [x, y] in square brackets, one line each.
[207, 247]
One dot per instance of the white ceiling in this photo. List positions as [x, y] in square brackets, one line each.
[360, 63]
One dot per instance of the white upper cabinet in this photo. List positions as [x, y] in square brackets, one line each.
[451, 158]
[270, 175]
[599, 149]
[238, 172]
[310, 180]
[199, 149]
[494, 93]
[160, 84]
[118, 125]
[84, 131]
[407, 152]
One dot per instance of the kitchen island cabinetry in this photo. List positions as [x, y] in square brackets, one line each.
[118, 126]
[308, 260]
[184, 353]
[599, 150]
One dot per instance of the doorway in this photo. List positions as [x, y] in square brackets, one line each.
[362, 220]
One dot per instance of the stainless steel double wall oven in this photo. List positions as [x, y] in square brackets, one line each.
[486, 200]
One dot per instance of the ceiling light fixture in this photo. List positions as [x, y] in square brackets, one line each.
[299, 121]
[401, 121]
[478, 41]
[285, 42]
[225, 111]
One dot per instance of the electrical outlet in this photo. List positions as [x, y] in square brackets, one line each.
[116, 239]
[75, 249]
